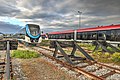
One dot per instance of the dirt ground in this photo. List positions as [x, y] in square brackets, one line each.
[40, 69]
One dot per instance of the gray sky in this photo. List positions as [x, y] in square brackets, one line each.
[57, 15]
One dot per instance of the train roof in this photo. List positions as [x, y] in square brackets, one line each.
[32, 24]
[62, 32]
[99, 28]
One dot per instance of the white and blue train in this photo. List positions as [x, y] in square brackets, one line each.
[30, 34]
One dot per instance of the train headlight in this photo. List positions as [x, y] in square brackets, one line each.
[40, 40]
[27, 39]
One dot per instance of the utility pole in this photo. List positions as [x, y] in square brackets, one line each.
[80, 16]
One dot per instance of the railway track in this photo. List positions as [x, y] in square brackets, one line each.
[6, 72]
[91, 69]
[3, 70]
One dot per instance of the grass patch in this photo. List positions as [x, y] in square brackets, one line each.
[24, 54]
[107, 57]
[103, 57]
[116, 57]
[45, 43]
[98, 55]
[88, 46]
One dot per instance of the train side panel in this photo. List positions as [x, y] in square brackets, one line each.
[108, 33]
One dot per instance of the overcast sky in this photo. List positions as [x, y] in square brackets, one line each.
[57, 15]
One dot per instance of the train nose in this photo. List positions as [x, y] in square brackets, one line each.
[35, 40]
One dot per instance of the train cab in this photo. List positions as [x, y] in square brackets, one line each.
[32, 33]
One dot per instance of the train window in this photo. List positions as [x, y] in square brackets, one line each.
[113, 34]
[84, 36]
[34, 29]
[93, 36]
[79, 35]
[72, 35]
[88, 35]
[50, 36]
[108, 37]
[60, 36]
[68, 36]
[117, 35]
[53, 36]
[63, 36]
[101, 35]
[56, 36]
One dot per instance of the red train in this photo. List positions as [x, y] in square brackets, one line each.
[109, 33]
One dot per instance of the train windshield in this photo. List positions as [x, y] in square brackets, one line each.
[34, 30]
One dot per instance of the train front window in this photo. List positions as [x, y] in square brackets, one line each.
[34, 30]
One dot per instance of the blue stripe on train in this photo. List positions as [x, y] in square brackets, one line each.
[28, 32]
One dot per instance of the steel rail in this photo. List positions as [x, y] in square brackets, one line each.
[80, 70]
[72, 67]
[77, 68]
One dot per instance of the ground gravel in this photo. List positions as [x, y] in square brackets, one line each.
[40, 69]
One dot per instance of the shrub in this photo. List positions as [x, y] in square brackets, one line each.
[107, 55]
[116, 57]
[25, 54]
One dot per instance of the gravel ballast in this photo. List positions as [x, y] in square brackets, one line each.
[40, 69]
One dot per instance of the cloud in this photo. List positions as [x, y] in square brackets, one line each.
[8, 28]
[8, 9]
[102, 8]
[56, 15]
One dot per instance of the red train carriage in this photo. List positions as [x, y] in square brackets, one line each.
[69, 34]
[110, 33]
[44, 36]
